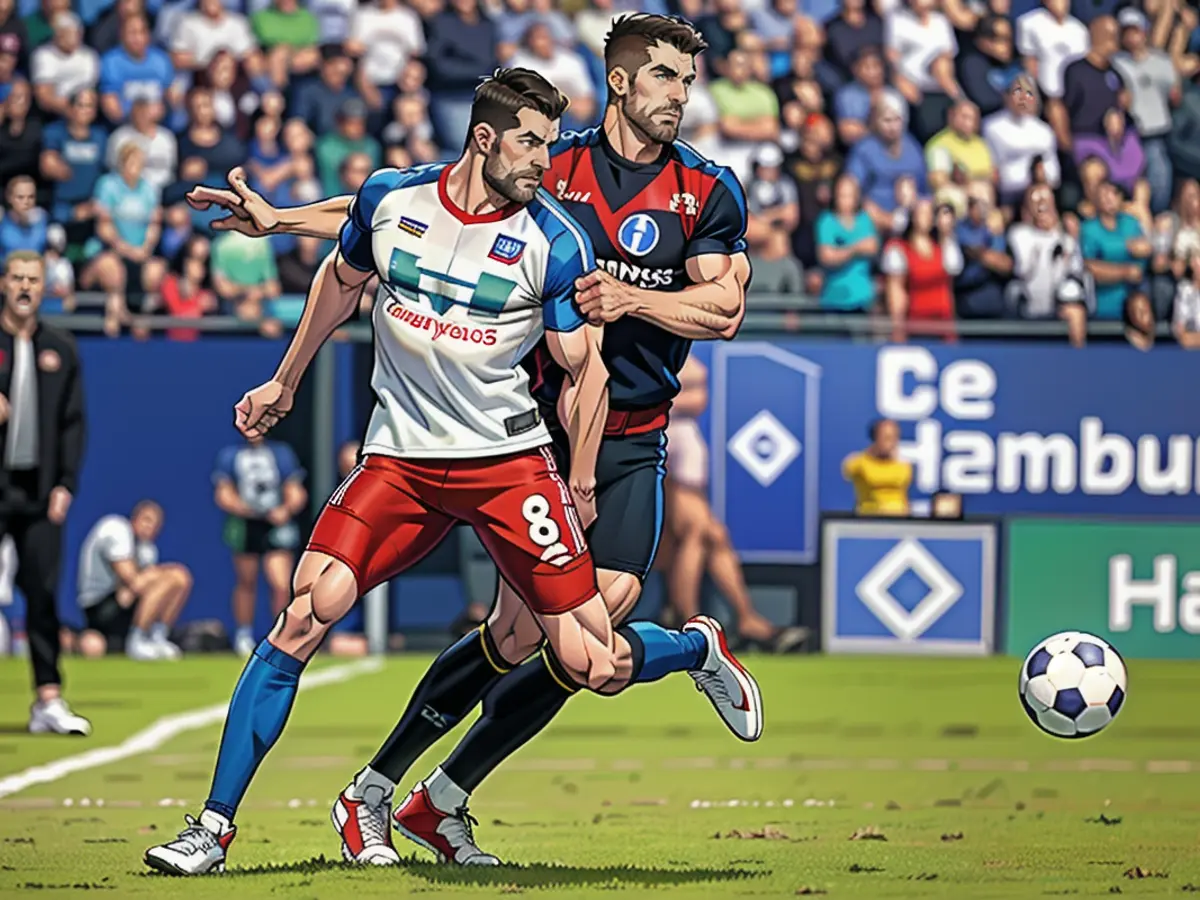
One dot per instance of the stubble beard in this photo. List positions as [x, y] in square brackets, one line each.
[507, 185]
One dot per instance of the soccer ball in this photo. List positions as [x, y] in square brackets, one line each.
[1072, 684]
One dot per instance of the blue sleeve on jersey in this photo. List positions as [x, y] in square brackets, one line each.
[355, 239]
[722, 225]
[224, 470]
[287, 463]
[571, 255]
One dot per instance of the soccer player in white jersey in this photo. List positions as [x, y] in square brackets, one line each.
[476, 263]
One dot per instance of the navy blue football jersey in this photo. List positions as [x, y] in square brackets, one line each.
[645, 220]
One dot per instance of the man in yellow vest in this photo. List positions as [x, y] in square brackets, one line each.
[880, 478]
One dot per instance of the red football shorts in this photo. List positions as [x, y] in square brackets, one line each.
[389, 513]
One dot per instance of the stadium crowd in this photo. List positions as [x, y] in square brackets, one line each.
[923, 161]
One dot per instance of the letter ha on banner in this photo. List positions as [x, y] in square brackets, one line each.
[765, 425]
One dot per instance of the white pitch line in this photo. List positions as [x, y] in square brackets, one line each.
[161, 731]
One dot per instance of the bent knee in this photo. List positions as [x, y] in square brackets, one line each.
[591, 671]
[180, 575]
[717, 535]
[621, 592]
[325, 586]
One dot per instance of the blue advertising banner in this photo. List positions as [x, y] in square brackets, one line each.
[902, 586]
[1014, 428]
[766, 412]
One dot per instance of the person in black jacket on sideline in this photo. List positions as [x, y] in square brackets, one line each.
[41, 437]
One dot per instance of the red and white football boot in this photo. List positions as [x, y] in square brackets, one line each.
[360, 817]
[448, 835]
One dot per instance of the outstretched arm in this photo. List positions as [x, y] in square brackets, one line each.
[332, 299]
[583, 403]
[251, 214]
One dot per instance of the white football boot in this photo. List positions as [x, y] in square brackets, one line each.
[733, 691]
[199, 850]
[361, 816]
[55, 717]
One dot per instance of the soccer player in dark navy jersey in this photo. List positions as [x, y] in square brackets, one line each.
[668, 230]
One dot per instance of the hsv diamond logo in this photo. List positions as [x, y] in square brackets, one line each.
[908, 586]
[765, 448]
[875, 590]
[507, 250]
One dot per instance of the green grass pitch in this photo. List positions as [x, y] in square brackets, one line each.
[647, 794]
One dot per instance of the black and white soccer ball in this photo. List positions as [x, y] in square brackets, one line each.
[1072, 684]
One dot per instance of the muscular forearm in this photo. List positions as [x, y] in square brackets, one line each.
[323, 219]
[708, 311]
[583, 403]
[583, 410]
[332, 299]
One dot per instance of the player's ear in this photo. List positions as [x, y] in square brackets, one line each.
[485, 136]
[618, 81]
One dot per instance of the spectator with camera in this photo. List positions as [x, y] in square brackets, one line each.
[1049, 279]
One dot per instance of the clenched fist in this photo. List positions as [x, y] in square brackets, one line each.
[261, 409]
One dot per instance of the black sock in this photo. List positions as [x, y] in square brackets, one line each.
[516, 709]
[452, 685]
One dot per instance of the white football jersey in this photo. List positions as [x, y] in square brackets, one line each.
[462, 299]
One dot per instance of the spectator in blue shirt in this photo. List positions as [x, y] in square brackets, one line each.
[1115, 250]
[73, 158]
[318, 102]
[460, 44]
[885, 160]
[128, 226]
[853, 101]
[847, 242]
[133, 71]
[979, 287]
[24, 224]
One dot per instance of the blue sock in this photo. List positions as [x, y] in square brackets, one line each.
[658, 651]
[257, 713]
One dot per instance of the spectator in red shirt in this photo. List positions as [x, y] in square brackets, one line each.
[920, 269]
[184, 295]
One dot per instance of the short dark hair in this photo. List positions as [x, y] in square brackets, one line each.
[989, 27]
[631, 37]
[501, 97]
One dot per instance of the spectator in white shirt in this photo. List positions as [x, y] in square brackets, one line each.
[158, 145]
[200, 35]
[1186, 318]
[921, 48]
[130, 600]
[64, 67]
[1049, 277]
[1050, 39]
[562, 67]
[1018, 139]
[384, 36]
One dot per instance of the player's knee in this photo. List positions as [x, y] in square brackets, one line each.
[515, 643]
[602, 669]
[621, 594]
[332, 593]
